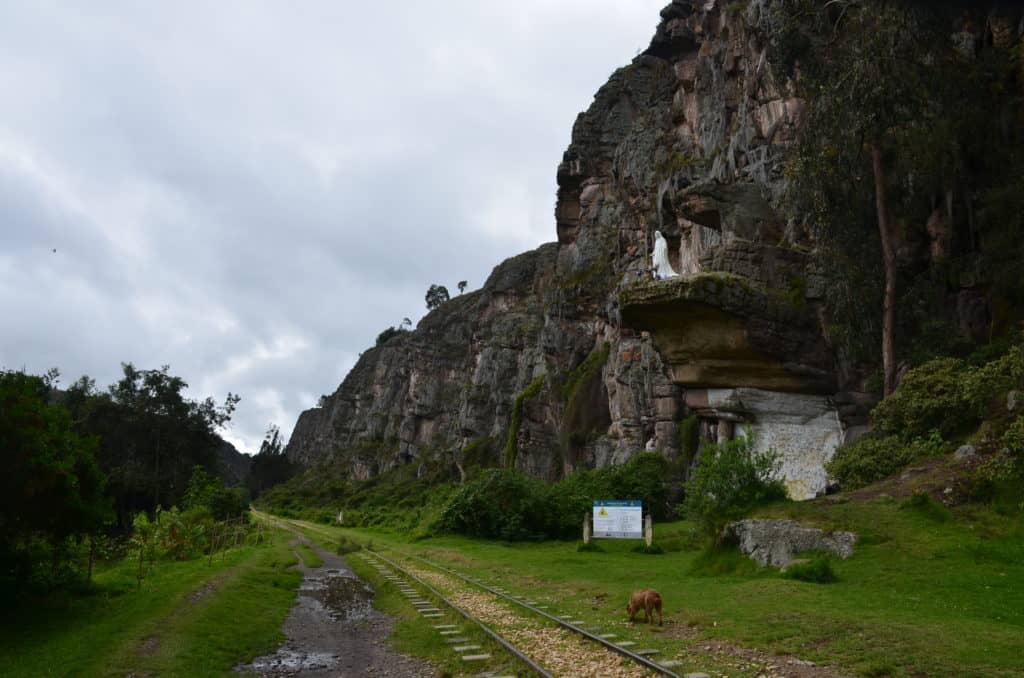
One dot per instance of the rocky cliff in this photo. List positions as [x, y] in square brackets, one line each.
[571, 355]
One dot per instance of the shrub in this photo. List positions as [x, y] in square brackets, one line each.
[1013, 437]
[500, 504]
[346, 545]
[930, 397]
[872, 458]
[948, 395]
[506, 504]
[731, 478]
[387, 334]
[998, 479]
[817, 570]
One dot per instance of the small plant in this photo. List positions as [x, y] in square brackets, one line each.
[731, 478]
[817, 570]
[346, 545]
[592, 547]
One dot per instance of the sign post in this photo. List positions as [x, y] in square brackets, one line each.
[618, 519]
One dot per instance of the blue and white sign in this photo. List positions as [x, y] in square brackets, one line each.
[618, 519]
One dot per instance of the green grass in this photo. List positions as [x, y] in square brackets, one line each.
[309, 557]
[923, 593]
[194, 619]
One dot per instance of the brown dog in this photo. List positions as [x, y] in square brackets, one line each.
[647, 600]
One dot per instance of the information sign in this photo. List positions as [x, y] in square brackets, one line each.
[618, 519]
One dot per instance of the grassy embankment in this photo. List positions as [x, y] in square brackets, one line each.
[926, 592]
[188, 619]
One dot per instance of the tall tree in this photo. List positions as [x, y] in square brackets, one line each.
[51, 486]
[151, 435]
[437, 295]
[270, 466]
[872, 75]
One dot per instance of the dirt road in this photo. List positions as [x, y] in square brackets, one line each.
[334, 631]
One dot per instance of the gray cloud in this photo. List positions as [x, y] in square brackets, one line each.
[251, 191]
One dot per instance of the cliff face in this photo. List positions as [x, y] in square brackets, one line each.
[571, 355]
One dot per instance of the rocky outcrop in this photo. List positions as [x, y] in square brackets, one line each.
[233, 465]
[777, 542]
[571, 356]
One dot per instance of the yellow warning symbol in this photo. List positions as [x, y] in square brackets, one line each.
[602, 512]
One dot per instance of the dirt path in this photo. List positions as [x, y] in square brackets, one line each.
[333, 629]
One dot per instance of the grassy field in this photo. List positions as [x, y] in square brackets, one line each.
[188, 619]
[927, 592]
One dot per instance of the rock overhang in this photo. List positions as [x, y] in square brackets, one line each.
[718, 330]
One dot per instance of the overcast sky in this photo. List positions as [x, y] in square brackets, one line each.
[251, 191]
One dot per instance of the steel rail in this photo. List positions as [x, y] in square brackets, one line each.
[513, 650]
[663, 670]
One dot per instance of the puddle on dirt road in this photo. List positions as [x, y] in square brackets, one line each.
[337, 595]
[286, 661]
[326, 596]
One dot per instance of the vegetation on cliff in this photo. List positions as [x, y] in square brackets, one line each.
[941, 404]
[912, 147]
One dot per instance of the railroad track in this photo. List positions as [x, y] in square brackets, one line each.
[610, 658]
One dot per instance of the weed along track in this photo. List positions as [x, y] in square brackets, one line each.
[548, 645]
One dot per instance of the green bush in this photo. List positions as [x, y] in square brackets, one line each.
[387, 334]
[998, 479]
[949, 395]
[817, 570]
[1013, 437]
[503, 504]
[930, 397]
[731, 478]
[500, 504]
[346, 545]
[873, 458]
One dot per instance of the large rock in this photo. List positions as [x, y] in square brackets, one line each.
[777, 542]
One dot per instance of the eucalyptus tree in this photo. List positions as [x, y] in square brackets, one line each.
[878, 139]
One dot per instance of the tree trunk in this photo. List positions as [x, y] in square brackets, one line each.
[92, 558]
[889, 262]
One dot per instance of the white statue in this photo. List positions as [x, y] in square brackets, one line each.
[662, 269]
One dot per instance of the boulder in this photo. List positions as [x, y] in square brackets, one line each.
[777, 542]
[964, 452]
